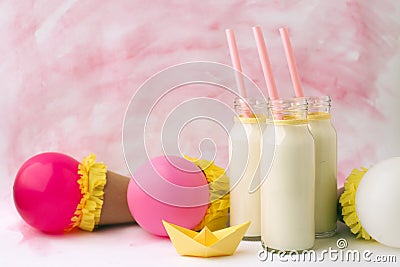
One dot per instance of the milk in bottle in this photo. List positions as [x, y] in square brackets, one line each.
[325, 140]
[287, 191]
[244, 173]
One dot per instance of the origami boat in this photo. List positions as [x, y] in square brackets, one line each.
[206, 243]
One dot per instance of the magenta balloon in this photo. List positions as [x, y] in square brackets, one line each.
[46, 192]
[149, 212]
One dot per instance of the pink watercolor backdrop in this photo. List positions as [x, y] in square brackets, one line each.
[69, 68]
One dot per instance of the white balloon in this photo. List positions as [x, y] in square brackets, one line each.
[378, 202]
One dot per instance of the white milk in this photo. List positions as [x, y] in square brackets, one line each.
[244, 155]
[325, 166]
[287, 193]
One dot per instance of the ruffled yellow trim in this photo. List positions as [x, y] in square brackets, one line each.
[348, 202]
[216, 216]
[91, 184]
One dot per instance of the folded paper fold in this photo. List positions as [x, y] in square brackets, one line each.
[206, 243]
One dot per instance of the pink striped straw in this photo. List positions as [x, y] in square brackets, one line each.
[233, 50]
[291, 62]
[265, 63]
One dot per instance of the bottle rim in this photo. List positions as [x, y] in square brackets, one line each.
[288, 103]
[319, 100]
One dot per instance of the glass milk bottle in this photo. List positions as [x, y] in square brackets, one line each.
[288, 173]
[244, 157]
[325, 139]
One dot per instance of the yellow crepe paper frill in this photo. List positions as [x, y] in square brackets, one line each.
[91, 184]
[216, 216]
[348, 202]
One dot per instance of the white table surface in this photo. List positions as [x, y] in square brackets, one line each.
[129, 245]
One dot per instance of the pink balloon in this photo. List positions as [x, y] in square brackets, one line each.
[46, 192]
[149, 211]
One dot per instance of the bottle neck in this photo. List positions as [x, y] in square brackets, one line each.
[288, 111]
[319, 107]
[249, 110]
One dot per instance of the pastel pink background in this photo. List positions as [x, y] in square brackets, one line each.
[69, 68]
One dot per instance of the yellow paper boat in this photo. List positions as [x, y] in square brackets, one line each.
[206, 243]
